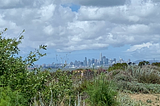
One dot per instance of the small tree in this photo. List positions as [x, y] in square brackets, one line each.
[142, 63]
[13, 68]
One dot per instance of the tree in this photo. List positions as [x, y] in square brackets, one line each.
[118, 66]
[142, 63]
[13, 68]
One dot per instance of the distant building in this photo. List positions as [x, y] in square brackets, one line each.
[100, 57]
[85, 61]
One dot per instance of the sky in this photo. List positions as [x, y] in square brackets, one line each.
[75, 29]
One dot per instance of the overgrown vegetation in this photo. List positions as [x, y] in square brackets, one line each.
[137, 79]
[87, 87]
[101, 92]
[116, 66]
[13, 69]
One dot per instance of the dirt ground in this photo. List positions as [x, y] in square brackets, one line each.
[150, 99]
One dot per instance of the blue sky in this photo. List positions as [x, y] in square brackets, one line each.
[110, 53]
[74, 29]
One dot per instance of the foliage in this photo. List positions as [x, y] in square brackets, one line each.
[142, 63]
[19, 86]
[101, 70]
[35, 83]
[11, 98]
[116, 66]
[13, 68]
[101, 92]
[156, 64]
[61, 87]
[136, 79]
[145, 75]
[134, 87]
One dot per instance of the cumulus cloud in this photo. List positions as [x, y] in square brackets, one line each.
[146, 51]
[138, 47]
[96, 25]
[9, 3]
[99, 3]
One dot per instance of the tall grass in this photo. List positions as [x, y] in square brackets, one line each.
[137, 79]
[101, 92]
[145, 74]
[125, 100]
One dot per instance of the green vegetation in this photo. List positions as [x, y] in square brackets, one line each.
[9, 98]
[156, 64]
[142, 63]
[13, 69]
[137, 79]
[117, 66]
[101, 92]
[100, 87]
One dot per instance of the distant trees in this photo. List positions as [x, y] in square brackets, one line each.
[118, 66]
[142, 63]
[156, 64]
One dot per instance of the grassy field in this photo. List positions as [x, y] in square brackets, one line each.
[136, 86]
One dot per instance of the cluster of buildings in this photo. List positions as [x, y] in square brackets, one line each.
[86, 63]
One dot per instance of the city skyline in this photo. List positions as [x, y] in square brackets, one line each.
[85, 63]
[68, 58]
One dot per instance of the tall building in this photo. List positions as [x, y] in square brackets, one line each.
[93, 60]
[89, 62]
[107, 61]
[85, 61]
[114, 60]
[100, 57]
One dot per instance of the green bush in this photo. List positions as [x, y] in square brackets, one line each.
[59, 89]
[134, 87]
[101, 92]
[144, 74]
[142, 63]
[11, 98]
[13, 68]
[117, 66]
[156, 64]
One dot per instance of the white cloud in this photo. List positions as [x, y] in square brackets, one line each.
[146, 51]
[47, 12]
[99, 3]
[9, 3]
[96, 25]
[136, 47]
[49, 30]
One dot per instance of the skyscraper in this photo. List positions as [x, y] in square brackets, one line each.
[85, 61]
[100, 57]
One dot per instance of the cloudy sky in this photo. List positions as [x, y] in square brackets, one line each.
[74, 29]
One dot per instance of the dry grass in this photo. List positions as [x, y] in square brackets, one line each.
[149, 99]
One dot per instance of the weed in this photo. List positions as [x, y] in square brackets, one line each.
[101, 92]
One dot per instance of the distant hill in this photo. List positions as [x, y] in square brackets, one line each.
[150, 61]
[153, 61]
[137, 61]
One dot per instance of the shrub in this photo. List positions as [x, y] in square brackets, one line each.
[142, 63]
[156, 64]
[132, 86]
[101, 92]
[145, 75]
[116, 66]
[11, 98]
[59, 89]
[13, 68]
